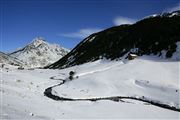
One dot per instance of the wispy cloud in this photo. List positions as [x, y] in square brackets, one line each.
[82, 33]
[123, 20]
[177, 7]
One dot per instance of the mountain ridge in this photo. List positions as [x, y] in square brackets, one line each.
[7, 59]
[152, 35]
[39, 53]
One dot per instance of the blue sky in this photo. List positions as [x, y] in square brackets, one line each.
[67, 22]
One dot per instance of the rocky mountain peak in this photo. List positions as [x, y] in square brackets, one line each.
[165, 14]
[39, 53]
[38, 41]
[171, 14]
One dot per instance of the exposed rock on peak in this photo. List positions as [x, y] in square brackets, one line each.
[40, 53]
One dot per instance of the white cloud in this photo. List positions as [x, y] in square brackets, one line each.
[82, 33]
[123, 20]
[177, 7]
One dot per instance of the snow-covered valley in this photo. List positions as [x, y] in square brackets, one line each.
[149, 78]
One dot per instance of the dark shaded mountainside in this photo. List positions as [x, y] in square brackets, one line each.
[151, 35]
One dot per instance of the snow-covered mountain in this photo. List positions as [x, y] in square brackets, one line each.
[7, 59]
[98, 82]
[165, 14]
[39, 53]
[157, 35]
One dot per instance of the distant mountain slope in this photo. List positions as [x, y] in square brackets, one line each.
[6, 59]
[40, 53]
[156, 35]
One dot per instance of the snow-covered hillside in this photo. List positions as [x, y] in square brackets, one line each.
[165, 14]
[7, 59]
[143, 78]
[147, 77]
[156, 35]
[40, 53]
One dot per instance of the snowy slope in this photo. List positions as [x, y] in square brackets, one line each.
[176, 55]
[165, 14]
[6, 59]
[155, 79]
[40, 53]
